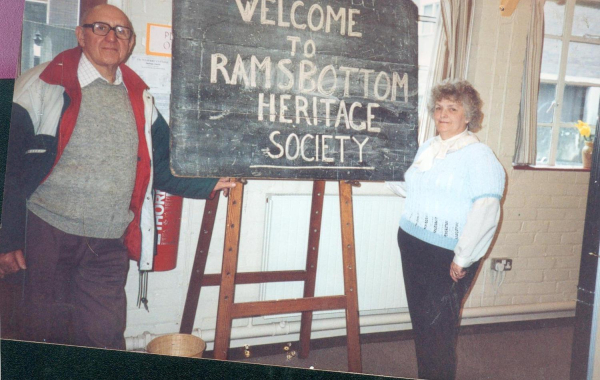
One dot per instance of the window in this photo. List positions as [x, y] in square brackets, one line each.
[569, 80]
[428, 16]
[48, 29]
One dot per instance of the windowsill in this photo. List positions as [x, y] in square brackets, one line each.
[551, 168]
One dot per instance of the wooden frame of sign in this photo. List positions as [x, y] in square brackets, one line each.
[280, 89]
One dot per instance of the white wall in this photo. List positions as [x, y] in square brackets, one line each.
[541, 228]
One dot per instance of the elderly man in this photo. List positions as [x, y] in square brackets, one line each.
[86, 148]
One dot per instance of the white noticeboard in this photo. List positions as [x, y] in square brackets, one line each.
[156, 72]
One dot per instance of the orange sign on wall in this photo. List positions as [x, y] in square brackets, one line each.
[159, 39]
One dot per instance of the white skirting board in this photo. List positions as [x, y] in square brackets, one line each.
[280, 332]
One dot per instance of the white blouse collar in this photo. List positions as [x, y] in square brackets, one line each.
[439, 148]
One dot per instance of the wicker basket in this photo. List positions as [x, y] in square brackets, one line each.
[185, 345]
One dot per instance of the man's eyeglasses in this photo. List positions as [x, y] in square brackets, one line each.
[102, 29]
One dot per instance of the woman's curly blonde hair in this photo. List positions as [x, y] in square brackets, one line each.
[459, 91]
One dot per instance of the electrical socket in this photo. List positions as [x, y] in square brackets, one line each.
[501, 264]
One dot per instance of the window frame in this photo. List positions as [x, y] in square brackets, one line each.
[566, 38]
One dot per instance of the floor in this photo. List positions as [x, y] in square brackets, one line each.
[517, 350]
[523, 353]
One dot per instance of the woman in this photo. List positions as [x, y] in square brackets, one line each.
[453, 191]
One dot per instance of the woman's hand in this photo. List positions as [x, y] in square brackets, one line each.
[11, 262]
[457, 272]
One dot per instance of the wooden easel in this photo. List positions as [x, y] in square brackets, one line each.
[228, 310]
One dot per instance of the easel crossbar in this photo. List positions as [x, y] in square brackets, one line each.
[259, 308]
[257, 277]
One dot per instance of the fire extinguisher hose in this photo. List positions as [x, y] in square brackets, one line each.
[143, 290]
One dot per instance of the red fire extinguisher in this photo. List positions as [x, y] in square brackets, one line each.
[167, 210]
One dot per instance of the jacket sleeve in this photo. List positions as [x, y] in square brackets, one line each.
[12, 227]
[198, 188]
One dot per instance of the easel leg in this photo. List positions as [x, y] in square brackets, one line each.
[314, 235]
[193, 294]
[350, 283]
[228, 271]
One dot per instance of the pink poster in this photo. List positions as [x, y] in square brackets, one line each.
[11, 23]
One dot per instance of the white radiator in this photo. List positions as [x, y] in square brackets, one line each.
[379, 270]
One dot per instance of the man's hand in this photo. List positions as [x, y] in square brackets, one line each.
[457, 272]
[224, 184]
[11, 262]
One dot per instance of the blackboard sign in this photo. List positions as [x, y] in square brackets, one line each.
[294, 88]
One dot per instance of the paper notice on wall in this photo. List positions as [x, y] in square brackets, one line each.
[162, 103]
[159, 39]
[156, 72]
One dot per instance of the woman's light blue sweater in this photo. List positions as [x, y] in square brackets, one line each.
[438, 200]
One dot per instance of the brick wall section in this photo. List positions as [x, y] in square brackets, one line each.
[543, 211]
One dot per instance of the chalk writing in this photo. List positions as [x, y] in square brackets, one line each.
[293, 87]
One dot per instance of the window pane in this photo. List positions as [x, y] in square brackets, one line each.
[583, 63]
[570, 144]
[586, 20]
[423, 73]
[544, 138]
[546, 96]
[591, 110]
[49, 39]
[64, 13]
[550, 59]
[35, 12]
[580, 103]
[554, 17]
[426, 43]
[428, 28]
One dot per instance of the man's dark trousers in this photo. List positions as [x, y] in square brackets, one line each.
[74, 288]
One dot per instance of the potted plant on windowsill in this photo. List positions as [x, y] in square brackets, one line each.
[586, 153]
